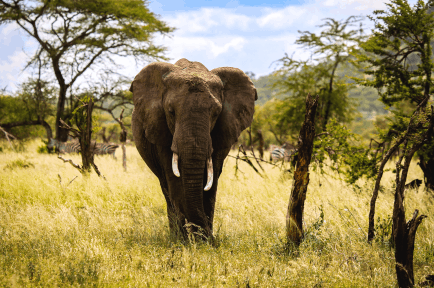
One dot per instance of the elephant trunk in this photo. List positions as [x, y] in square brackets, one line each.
[193, 165]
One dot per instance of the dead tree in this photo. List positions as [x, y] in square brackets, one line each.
[83, 119]
[294, 217]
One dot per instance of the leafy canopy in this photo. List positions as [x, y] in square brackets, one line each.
[331, 48]
[400, 63]
[74, 34]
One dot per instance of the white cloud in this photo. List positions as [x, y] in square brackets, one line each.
[205, 19]
[213, 47]
[359, 5]
[280, 18]
[11, 70]
[7, 33]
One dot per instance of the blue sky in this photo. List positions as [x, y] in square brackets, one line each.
[247, 34]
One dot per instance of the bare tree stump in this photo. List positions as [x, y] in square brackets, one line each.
[123, 139]
[261, 144]
[294, 217]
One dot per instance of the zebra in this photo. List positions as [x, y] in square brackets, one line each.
[278, 153]
[64, 147]
[104, 148]
[74, 147]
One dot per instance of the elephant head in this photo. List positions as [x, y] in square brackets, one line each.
[195, 112]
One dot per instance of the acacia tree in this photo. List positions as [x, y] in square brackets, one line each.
[333, 48]
[75, 36]
[400, 59]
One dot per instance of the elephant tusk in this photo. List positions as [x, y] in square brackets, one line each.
[210, 175]
[175, 165]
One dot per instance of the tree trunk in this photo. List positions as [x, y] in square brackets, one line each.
[371, 226]
[104, 139]
[26, 123]
[294, 217]
[123, 139]
[87, 153]
[261, 144]
[328, 103]
[404, 233]
[61, 133]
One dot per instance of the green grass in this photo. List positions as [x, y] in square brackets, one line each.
[114, 233]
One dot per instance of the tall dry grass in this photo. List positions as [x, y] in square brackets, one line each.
[114, 233]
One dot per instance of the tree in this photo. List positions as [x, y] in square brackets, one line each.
[32, 105]
[74, 36]
[294, 216]
[403, 34]
[84, 127]
[334, 46]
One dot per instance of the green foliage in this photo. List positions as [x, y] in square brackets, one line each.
[361, 163]
[319, 76]
[35, 100]
[266, 119]
[265, 89]
[401, 32]
[42, 149]
[399, 54]
[13, 109]
[399, 64]
[342, 151]
[39, 98]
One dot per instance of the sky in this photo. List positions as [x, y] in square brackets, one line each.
[247, 34]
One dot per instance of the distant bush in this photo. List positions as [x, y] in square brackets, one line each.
[43, 149]
[19, 163]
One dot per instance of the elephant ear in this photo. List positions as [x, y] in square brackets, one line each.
[148, 115]
[239, 95]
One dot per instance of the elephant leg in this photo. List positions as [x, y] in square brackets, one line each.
[174, 216]
[209, 197]
[172, 190]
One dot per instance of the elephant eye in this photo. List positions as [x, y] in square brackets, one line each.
[171, 111]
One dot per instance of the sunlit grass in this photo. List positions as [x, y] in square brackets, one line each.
[91, 232]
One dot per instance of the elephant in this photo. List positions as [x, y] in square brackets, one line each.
[184, 122]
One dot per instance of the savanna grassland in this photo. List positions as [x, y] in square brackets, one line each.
[114, 233]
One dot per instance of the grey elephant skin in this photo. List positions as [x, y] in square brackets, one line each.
[185, 120]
